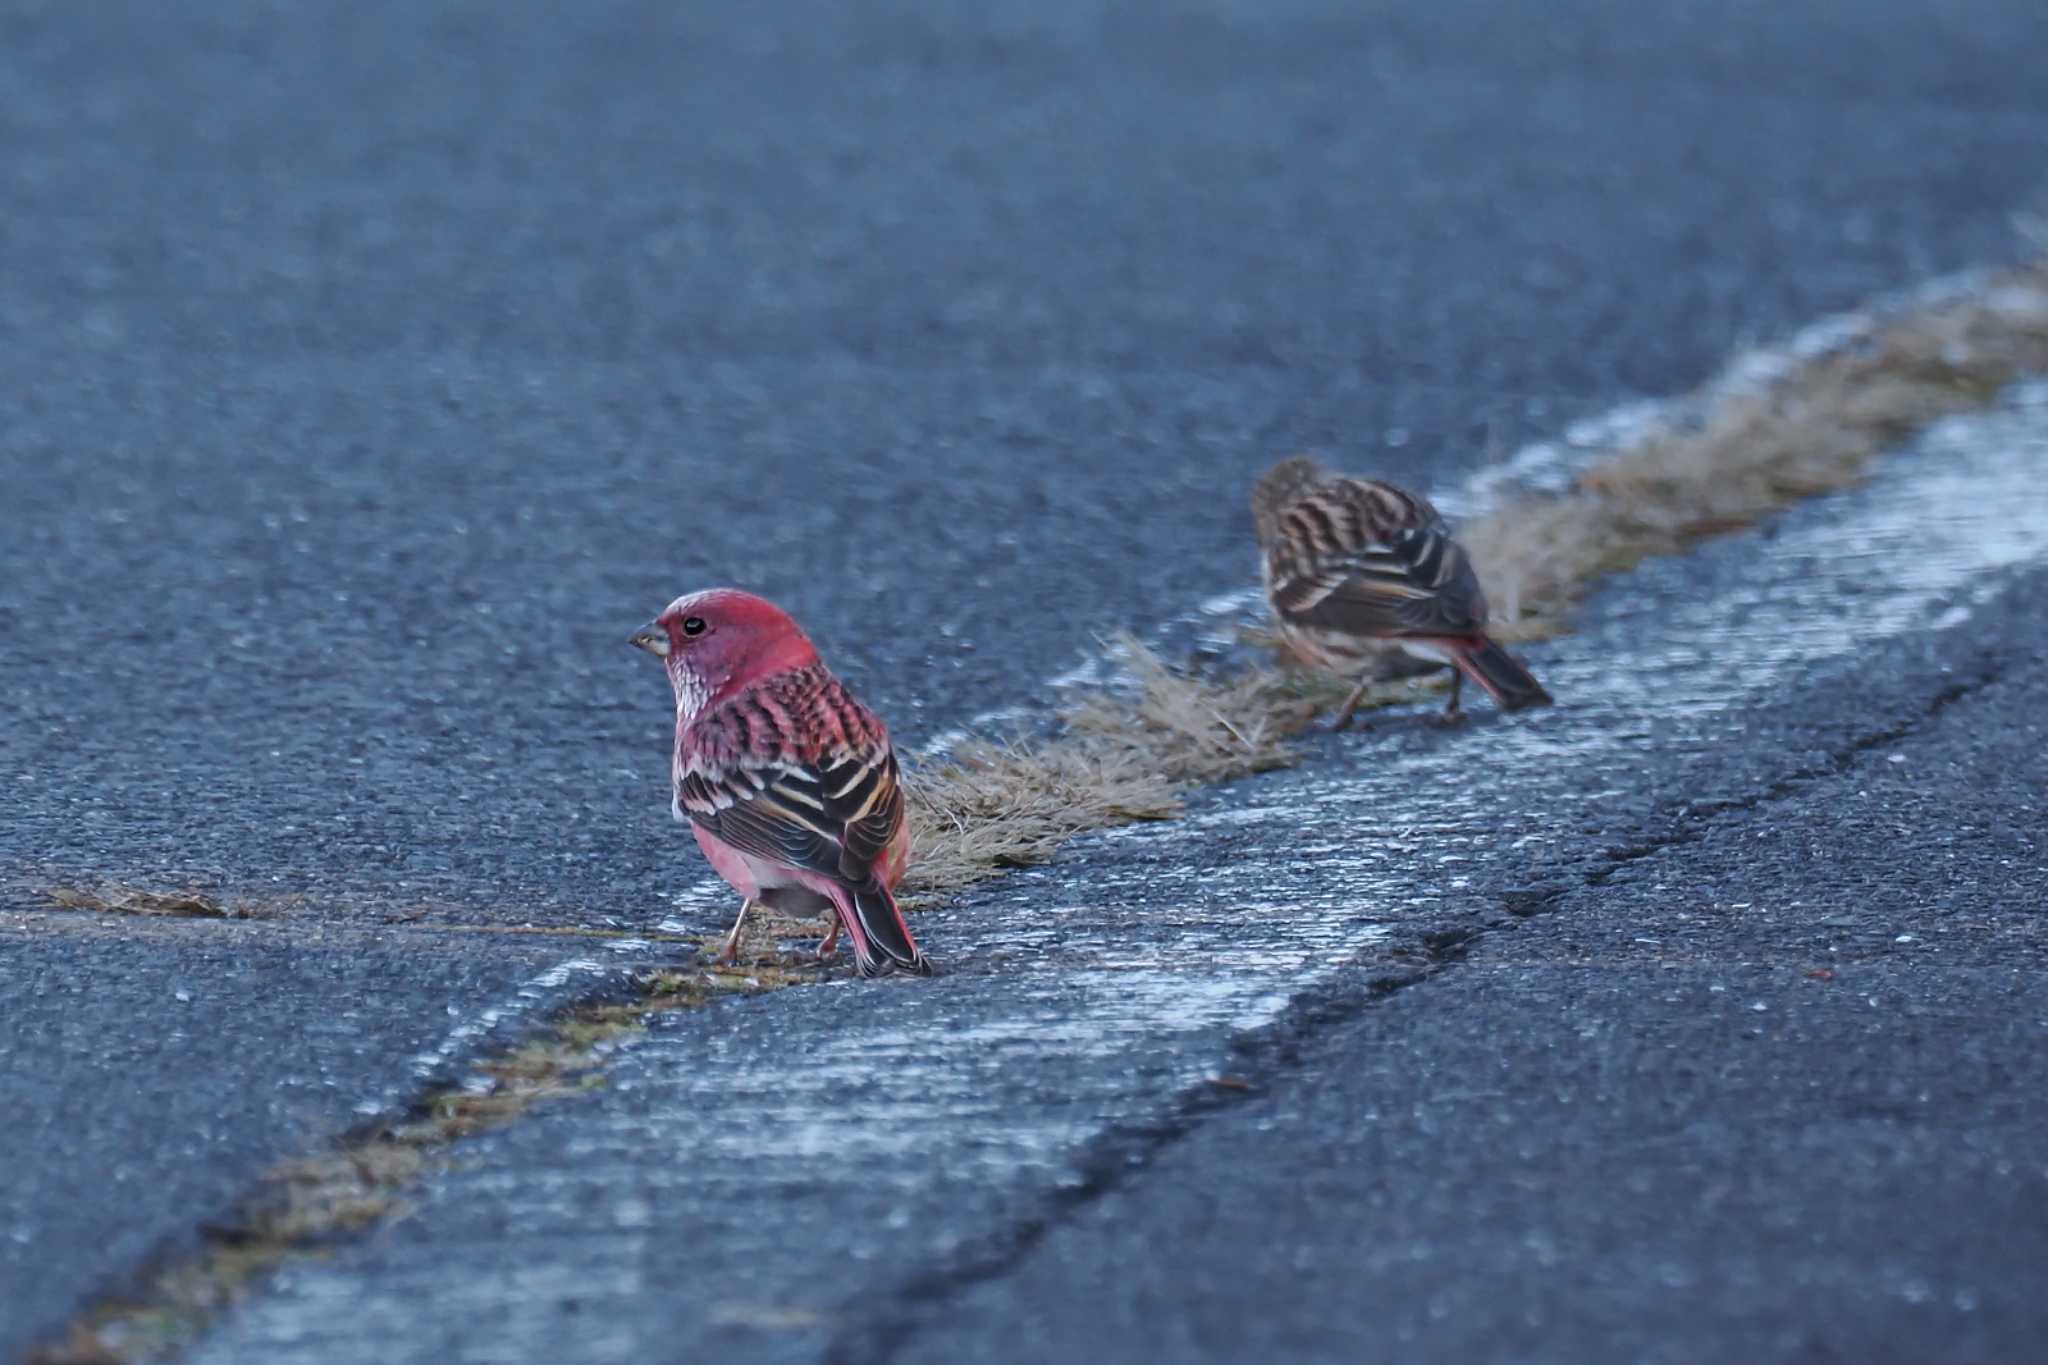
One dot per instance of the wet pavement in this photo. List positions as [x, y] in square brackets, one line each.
[368, 380]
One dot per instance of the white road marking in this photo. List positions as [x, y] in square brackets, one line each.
[462, 1040]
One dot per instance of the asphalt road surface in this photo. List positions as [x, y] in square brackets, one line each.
[369, 376]
[1742, 1067]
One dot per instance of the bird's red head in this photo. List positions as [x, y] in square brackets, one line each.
[721, 640]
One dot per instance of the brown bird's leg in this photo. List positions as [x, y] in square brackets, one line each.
[827, 944]
[1452, 714]
[730, 953]
[1350, 707]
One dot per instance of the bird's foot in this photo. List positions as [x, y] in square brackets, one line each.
[730, 953]
[1350, 706]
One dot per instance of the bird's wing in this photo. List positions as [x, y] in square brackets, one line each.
[834, 817]
[1368, 559]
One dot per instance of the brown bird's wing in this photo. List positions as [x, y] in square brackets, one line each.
[834, 818]
[1366, 558]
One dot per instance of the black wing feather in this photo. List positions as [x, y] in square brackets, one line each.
[1417, 581]
[835, 819]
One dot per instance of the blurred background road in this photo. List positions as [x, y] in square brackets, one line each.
[369, 374]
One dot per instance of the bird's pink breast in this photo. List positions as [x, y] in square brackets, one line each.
[728, 862]
[751, 876]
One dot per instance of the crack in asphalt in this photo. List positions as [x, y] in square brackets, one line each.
[1269, 1055]
[1700, 817]
[1258, 1059]
[1261, 1059]
[1265, 1057]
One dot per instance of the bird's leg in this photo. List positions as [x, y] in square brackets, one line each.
[830, 942]
[1451, 714]
[1350, 706]
[730, 953]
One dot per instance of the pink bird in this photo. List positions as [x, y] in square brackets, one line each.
[788, 782]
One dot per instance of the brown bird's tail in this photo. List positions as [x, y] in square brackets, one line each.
[1512, 686]
[881, 937]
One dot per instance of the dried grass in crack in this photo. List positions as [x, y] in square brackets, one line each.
[1815, 431]
[994, 806]
[1121, 758]
[310, 1202]
[111, 899]
[1192, 731]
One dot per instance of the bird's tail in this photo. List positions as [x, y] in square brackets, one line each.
[1512, 686]
[881, 937]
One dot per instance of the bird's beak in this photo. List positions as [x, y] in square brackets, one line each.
[652, 638]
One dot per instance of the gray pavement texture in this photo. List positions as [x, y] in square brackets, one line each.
[114, 1038]
[1643, 1082]
[1773, 1090]
[369, 375]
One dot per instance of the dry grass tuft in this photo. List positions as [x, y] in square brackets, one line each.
[1815, 431]
[1120, 758]
[1194, 731]
[130, 900]
[997, 806]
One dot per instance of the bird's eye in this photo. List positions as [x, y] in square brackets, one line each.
[693, 625]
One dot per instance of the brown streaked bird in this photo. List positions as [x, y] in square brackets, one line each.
[1350, 562]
